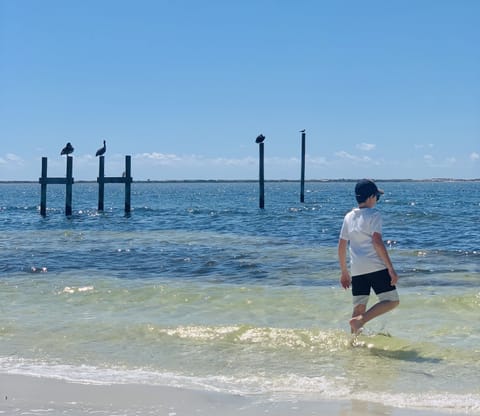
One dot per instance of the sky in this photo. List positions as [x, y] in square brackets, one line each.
[384, 89]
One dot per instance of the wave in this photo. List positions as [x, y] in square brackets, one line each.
[285, 387]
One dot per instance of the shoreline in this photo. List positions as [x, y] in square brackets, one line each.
[22, 394]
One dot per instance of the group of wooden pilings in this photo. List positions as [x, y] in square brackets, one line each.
[68, 181]
[261, 174]
[127, 180]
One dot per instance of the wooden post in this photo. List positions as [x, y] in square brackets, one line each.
[261, 176]
[126, 179]
[43, 188]
[101, 182]
[45, 180]
[128, 183]
[69, 183]
[302, 173]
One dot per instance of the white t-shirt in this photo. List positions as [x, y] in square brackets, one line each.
[358, 228]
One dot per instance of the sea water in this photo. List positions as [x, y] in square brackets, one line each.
[200, 288]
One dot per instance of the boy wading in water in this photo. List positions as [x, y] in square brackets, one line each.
[370, 264]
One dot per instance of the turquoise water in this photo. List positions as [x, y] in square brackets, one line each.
[199, 288]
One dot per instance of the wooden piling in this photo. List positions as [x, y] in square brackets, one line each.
[67, 181]
[261, 176]
[69, 184]
[128, 183]
[126, 179]
[101, 182]
[43, 188]
[302, 172]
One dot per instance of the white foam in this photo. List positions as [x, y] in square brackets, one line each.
[457, 403]
[284, 387]
[71, 290]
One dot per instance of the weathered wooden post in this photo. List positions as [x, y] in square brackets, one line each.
[67, 181]
[302, 173]
[69, 184]
[43, 188]
[101, 182]
[261, 176]
[126, 179]
[128, 183]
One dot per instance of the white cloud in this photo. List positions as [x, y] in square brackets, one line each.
[320, 161]
[345, 155]
[193, 160]
[367, 147]
[160, 158]
[11, 159]
[445, 163]
[424, 146]
[247, 161]
[157, 165]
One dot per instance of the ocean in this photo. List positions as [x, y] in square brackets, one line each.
[199, 288]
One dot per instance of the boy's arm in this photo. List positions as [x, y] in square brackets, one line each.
[383, 254]
[345, 279]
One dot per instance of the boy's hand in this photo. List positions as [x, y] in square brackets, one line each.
[345, 280]
[393, 277]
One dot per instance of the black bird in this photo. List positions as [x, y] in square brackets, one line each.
[302, 131]
[260, 138]
[67, 149]
[102, 150]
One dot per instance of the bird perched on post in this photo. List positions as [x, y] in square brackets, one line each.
[67, 149]
[260, 138]
[102, 150]
[302, 131]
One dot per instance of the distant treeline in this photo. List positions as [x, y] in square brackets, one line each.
[267, 180]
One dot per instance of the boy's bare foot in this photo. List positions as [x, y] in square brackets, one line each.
[356, 323]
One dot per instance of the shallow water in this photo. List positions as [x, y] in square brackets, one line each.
[200, 288]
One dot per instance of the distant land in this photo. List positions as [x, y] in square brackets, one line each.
[266, 180]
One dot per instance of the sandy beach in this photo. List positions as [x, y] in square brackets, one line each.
[39, 396]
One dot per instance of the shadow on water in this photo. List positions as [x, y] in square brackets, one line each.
[411, 355]
[384, 346]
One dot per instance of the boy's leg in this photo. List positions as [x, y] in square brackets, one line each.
[359, 307]
[357, 321]
[358, 311]
[387, 300]
[361, 294]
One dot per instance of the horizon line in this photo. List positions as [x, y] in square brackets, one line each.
[266, 180]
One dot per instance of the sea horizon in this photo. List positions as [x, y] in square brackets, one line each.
[349, 180]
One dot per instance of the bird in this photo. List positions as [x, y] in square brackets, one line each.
[67, 149]
[302, 131]
[102, 150]
[260, 138]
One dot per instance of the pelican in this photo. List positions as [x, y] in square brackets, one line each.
[260, 138]
[102, 150]
[67, 149]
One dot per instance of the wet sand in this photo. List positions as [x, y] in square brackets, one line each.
[45, 396]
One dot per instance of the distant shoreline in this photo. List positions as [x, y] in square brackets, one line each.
[266, 180]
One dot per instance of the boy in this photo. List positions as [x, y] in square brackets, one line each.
[370, 263]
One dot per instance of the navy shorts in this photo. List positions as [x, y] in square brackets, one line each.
[378, 281]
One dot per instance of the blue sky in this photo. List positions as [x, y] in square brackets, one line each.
[385, 89]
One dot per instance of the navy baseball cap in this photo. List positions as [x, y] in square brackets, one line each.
[365, 188]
